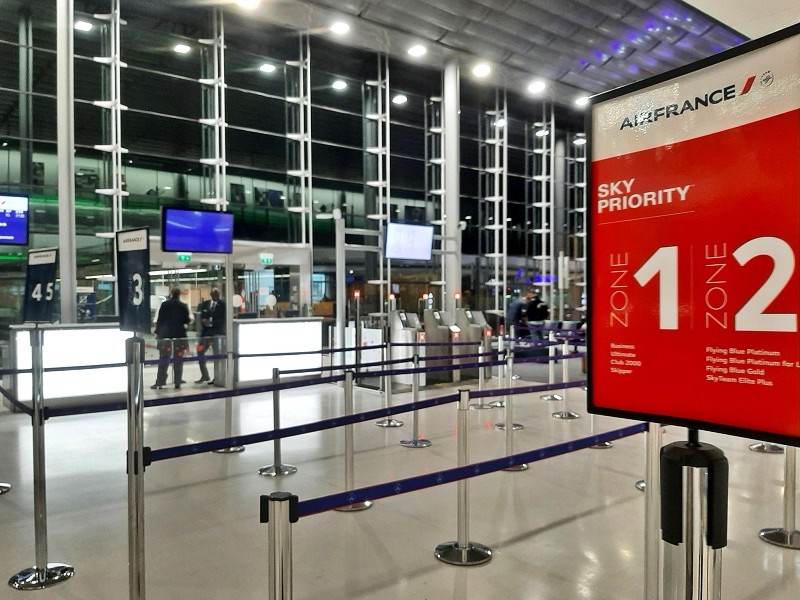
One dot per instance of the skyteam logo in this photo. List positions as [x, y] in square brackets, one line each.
[719, 95]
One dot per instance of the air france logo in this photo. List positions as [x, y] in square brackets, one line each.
[723, 94]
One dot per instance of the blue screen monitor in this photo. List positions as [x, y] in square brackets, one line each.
[13, 220]
[184, 230]
[408, 242]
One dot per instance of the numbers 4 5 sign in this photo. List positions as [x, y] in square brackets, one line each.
[694, 232]
[40, 281]
[133, 280]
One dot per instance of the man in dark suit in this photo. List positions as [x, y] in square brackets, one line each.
[212, 324]
[173, 316]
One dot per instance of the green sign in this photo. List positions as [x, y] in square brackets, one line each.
[184, 256]
[267, 259]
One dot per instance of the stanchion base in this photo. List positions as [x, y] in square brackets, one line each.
[415, 443]
[551, 398]
[480, 406]
[766, 448]
[514, 427]
[231, 450]
[277, 470]
[497, 404]
[640, 485]
[5, 488]
[389, 423]
[780, 537]
[519, 467]
[29, 578]
[602, 446]
[355, 507]
[467, 556]
[566, 415]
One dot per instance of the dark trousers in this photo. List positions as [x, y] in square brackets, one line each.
[170, 348]
[203, 345]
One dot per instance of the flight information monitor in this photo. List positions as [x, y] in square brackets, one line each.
[184, 230]
[13, 220]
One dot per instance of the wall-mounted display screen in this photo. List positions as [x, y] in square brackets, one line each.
[409, 242]
[13, 220]
[185, 230]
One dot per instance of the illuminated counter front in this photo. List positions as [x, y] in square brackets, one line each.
[71, 346]
[273, 336]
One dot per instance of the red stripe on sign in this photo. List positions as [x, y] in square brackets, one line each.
[747, 85]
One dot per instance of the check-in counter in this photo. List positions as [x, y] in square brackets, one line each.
[276, 336]
[405, 329]
[440, 328]
[473, 329]
[76, 345]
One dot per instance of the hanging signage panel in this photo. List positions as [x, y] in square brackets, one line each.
[40, 283]
[133, 280]
[694, 236]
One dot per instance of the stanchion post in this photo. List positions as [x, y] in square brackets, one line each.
[229, 384]
[387, 382]
[551, 369]
[279, 511]
[5, 488]
[508, 404]
[766, 448]
[652, 512]
[278, 469]
[786, 536]
[565, 414]
[415, 441]
[480, 404]
[462, 552]
[134, 350]
[42, 574]
[349, 461]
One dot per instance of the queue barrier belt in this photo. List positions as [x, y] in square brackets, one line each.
[421, 482]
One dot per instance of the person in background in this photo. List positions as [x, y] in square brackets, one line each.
[173, 317]
[515, 313]
[212, 323]
[536, 312]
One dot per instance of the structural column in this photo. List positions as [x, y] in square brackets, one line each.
[451, 100]
[25, 97]
[65, 108]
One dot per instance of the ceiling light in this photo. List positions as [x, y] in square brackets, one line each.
[340, 28]
[267, 68]
[417, 51]
[248, 4]
[542, 132]
[181, 48]
[481, 70]
[579, 141]
[582, 101]
[400, 99]
[83, 26]
[500, 123]
[339, 84]
[537, 87]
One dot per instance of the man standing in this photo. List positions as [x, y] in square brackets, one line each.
[173, 316]
[515, 313]
[212, 324]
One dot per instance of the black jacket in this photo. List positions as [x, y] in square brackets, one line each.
[173, 316]
[212, 322]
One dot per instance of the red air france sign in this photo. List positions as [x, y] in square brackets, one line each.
[694, 232]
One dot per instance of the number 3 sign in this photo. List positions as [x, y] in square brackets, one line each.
[133, 280]
[694, 232]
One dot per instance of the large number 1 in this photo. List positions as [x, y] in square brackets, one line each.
[664, 263]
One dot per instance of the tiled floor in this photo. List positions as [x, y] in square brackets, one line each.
[568, 528]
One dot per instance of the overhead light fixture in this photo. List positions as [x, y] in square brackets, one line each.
[248, 4]
[481, 70]
[582, 101]
[83, 26]
[339, 84]
[537, 87]
[501, 122]
[542, 132]
[182, 49]
[400, 99]
[267, 68]
[580, 140]
[418, 50]
[340, 28]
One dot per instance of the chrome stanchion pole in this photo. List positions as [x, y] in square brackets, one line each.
[229, 384]
[766, 448]
[652, 512]
[787, 536]
[551, 369]
[5, 488]
[504, 374]
[415, 441]
[134, 349]
[565, 414]
[509, 426]
[508, 399]
[601, 445]
[278, 469]
[387, 384]
[349, 463]
[462, 552]
[42, 574]
[279, 510]
[480, 405]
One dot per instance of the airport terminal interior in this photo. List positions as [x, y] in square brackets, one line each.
[398, 174]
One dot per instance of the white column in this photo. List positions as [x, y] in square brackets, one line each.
[451, 100]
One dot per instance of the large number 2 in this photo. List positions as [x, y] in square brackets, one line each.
[751, 316]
